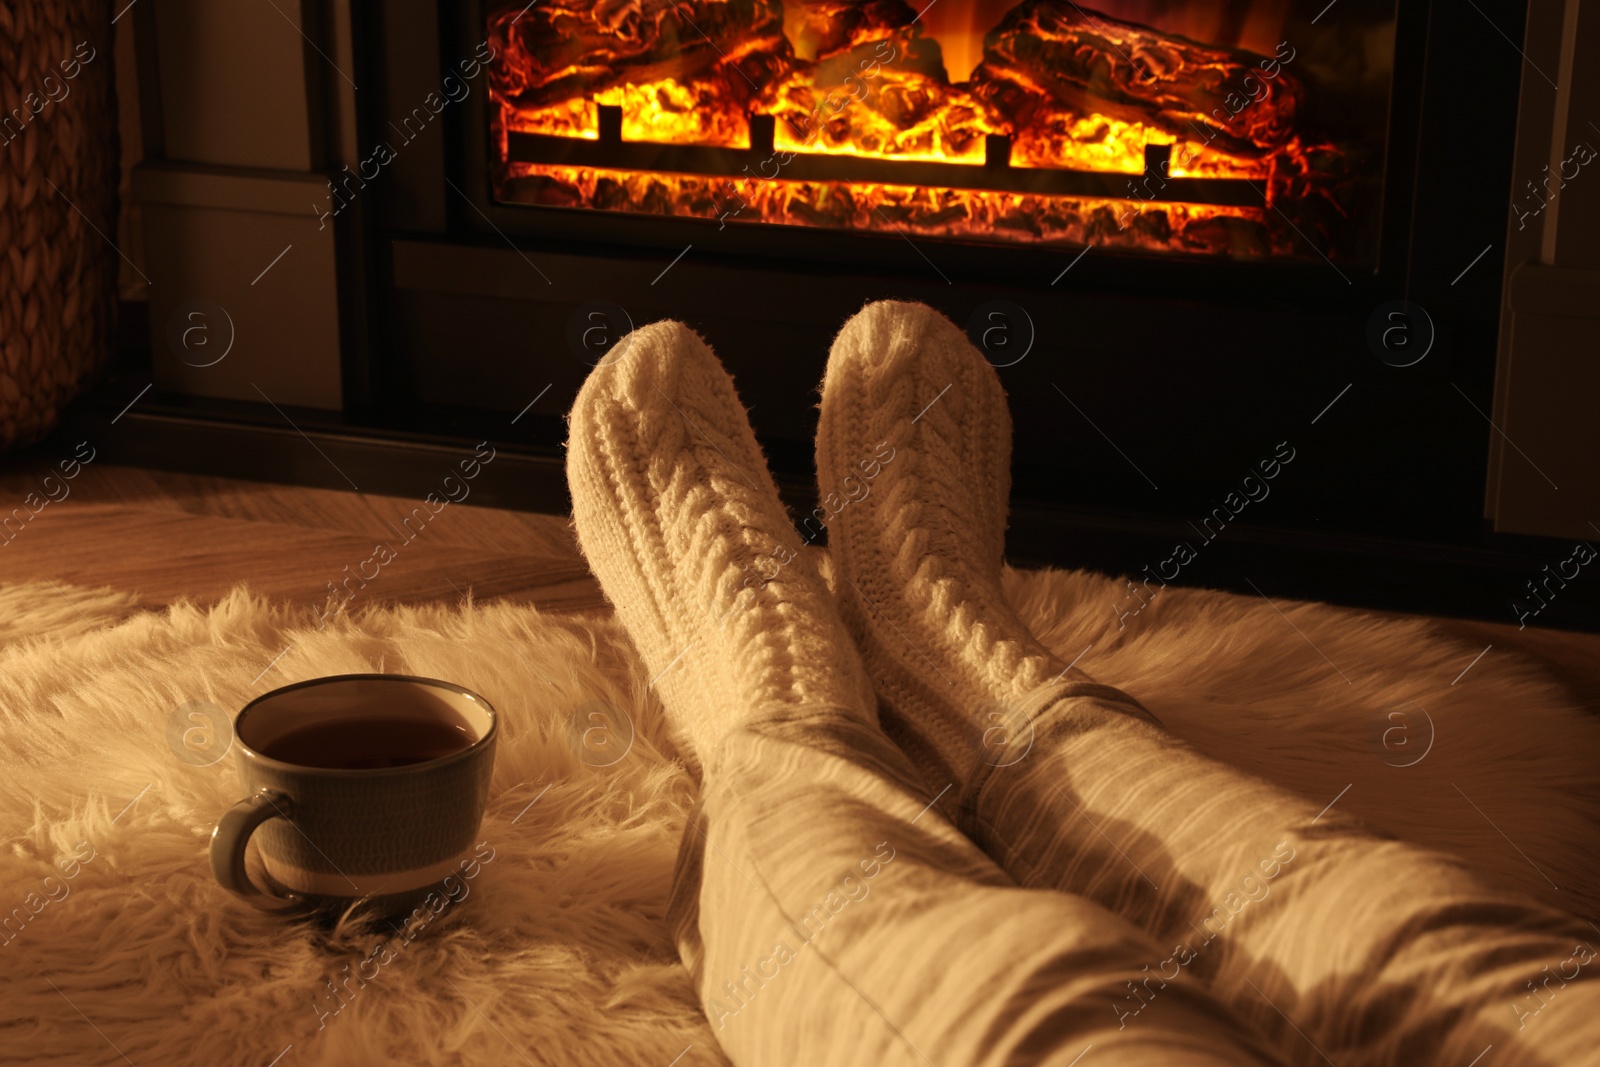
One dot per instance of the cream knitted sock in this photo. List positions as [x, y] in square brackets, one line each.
[915, 445]
[682, 525]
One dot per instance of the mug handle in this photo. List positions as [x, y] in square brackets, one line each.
[228, 843]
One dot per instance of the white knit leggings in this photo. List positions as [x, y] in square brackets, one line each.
[1172, 912]
[1338, 944]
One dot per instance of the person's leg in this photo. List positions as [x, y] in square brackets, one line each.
[1337, 942]
[827, 913]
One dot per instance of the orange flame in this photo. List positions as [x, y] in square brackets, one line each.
[903, 111]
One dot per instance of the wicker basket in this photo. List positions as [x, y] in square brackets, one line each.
[58, 208]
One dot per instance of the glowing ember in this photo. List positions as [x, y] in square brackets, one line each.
[1059, 89]
[920, 209]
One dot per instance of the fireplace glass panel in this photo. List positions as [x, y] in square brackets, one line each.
[1234, 128]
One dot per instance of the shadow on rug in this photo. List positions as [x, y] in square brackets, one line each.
[560, 954]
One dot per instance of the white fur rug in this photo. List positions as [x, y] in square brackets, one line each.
[559, 955]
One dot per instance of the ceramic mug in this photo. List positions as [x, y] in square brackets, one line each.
[379, 836]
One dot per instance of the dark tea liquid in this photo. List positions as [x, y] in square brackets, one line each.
[368, 743]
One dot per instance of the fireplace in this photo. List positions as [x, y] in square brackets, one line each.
[1190, 233]
[1202, 128]
[1171, 222]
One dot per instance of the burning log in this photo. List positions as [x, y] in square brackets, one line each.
[561, 50]
[1045, 57]
[887, 96]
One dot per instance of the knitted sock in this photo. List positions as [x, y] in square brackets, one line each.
[915, 444]
[682, 525]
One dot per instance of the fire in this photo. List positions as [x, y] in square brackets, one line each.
[846, 81]
[935, 212]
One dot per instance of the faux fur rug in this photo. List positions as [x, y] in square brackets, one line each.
[117, 947]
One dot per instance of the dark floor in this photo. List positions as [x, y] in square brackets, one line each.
[164, 536]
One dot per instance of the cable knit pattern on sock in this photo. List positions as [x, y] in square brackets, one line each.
[918, 560]
[682, 525]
